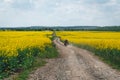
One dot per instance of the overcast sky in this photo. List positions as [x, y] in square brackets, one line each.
[59, 12]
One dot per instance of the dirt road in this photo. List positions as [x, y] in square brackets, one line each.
[74, 64]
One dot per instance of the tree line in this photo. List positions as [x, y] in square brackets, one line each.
[65, 28]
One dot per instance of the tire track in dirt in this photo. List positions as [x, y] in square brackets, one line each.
[74, 64]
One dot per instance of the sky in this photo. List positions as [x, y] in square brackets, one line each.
[17, 13]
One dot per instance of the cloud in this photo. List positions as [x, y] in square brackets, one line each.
[8, 1]
[59, 12]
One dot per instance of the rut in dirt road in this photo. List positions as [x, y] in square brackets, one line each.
[74, 64]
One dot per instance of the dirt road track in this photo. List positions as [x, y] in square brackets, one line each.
[74, 64]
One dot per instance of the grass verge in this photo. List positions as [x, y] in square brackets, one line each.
[109, 56]
[24, 74]
[50, 52]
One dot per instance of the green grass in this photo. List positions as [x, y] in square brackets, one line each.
[50, 52]
[24, 74]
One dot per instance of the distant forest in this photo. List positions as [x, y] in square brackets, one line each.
[108, 28]
[63, 28]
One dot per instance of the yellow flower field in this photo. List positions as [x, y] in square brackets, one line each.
[98, 40]
[12, 40]
[19, 50]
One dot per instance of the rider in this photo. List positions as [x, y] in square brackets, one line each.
[66, 42]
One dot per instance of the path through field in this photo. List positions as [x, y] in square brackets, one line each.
[74, 64]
